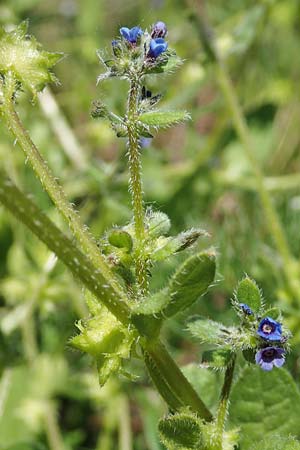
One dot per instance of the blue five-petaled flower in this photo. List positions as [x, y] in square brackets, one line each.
[269, 357]
[131, 34]
[269, 329]
[157, 46]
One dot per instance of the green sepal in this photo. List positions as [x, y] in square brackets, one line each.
[249, 293]
[104, 338]
[121, 239]
[163, 119]
[190, 281]
[188, 238]
[181, 431]
[23, 59]
[166, 62]
[274, 313]
[99, 110]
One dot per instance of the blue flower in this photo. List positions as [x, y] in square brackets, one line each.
[157, 46]
[159, 30]
[131, 35]
[269, 329]
[269, 357]
[246, 309]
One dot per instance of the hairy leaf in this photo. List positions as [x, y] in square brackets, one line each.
[181, 431]
[276, 442]
[191, 280]
[163, 118]
[248, 292]
[264, 402]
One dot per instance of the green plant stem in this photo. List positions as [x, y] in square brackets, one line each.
[54, 436]
[81, 267]
[135, 184]
[125, 434]
[166, 370]
[170, 377]
[50, 184]
[223, 405]
[289, 265]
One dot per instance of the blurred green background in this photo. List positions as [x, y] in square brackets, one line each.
[197, 173]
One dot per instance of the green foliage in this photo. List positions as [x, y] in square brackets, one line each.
[248, 292]
[262, 403]
[190, 281]
[275, 442]
[23, 58]
[161, 119]
[181, 431]
[105, 339]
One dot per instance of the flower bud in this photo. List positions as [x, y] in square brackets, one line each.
[159, 30]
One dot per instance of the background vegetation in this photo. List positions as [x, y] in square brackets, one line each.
[198, 173]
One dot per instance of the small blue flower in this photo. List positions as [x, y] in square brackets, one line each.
[269, 357]
[159, 30]
[157, 46]
[269, 329]
[131, 35]
[246, 309]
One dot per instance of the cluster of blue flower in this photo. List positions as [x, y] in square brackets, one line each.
[269, 330]
[157, 44]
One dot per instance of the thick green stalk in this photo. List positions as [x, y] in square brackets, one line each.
[223, 405]
[289, 265]
[135, 184]
[172, 379]
[81, 267]
[50, 184]
[167, 371]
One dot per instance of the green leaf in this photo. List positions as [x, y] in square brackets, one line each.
[163, 118]
[248, 292]
[24, 58]
[276, 442]
[181, 431]
[215, 334]
[209, 332]
[191, 280]
[264, 402]
[120, 239]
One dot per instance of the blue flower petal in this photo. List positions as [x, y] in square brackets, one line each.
[269, 329]
[125, 32]
[157, 46]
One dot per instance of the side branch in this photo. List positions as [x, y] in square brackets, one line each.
[81, 267]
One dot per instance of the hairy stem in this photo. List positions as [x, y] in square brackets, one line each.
[50, 184]
[81, 267]
[135, 185]
[165, 368]
[223, 405]
[289, 265]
